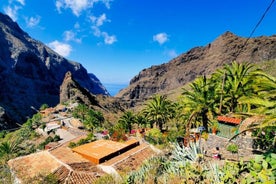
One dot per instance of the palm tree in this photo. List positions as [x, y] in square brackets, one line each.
[200, 102]
[127, 119]
[262, 103]
[237, 81]
[141, 120]
[8, 149]
[93, 119]
[159, 110]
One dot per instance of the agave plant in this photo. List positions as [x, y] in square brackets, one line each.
[192, 153]
[143, 173]
[214, 173]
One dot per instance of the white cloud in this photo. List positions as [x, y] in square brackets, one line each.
[71, 36]
[33, 21]
[106, 3]
[59, 5]
[61, 48]
[161, 38]
[11, 12]
[22, 2]
[98, 21]
[13, 7]
[96, 31]
[77, 6]
[109, 40]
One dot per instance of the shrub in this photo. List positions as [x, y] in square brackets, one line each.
[264, 138]
[154, 136]
[56, 138]
[173, 134]
[233, 148]
[43, 106]
[72, 145]
[47, 140]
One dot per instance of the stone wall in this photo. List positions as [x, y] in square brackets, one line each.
[244, 143]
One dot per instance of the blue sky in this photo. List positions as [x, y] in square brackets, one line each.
[115, 39]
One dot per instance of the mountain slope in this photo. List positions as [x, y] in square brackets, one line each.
[198, 61]
[31, 74]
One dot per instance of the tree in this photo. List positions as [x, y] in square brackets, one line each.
[200, 101]
[126, 120]
[36, 120]
[93, 119]
[80, 111]
[238, 81]
[263, 101]
[262, 104]
[8, 149]
[141, 120]
[159, 110]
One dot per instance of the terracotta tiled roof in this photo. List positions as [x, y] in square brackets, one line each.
[34, 164]
[235, 121]
[61, 173]
[82, 178]
[133, 160]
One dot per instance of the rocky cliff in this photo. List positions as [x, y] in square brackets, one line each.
[111, 108]
[31, 74]
[70, 90]
[199, 61]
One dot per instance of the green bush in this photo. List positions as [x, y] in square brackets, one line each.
[47, 140]
[44, 106]
[106, 179]
[72, 145]
[173, 134]
[154, 136]
[90, 138]
[233, 148]
[264, 138]
[3, 134]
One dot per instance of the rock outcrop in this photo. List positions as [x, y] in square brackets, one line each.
[110, 107]
[31, 74]
[70, 90]
[199, 61]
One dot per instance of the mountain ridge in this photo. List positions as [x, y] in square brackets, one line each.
[31, 74]
[201, 60]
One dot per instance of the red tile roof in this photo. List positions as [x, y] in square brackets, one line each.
[230, 120]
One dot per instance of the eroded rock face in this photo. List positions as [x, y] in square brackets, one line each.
[70, 90]
[199, 61]
[31, 74]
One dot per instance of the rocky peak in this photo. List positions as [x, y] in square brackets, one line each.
[70, 90]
